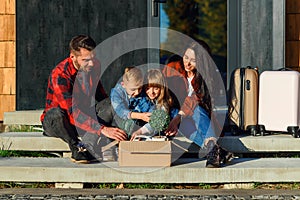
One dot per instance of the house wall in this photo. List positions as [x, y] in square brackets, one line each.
[7, 57]
[8, 48]
[44, 29]
[292, 57]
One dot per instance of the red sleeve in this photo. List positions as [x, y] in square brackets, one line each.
[63, 93]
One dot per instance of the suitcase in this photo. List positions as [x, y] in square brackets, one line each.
[243, 101]
[279, 108]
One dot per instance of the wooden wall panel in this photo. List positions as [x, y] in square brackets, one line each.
[7, 57]
[292, 52]
[292, 6]
[7, 7]
[8, 54]
[7, 27]
[8, 80]
[9, 105]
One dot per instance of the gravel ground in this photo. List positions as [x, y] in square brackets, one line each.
[127, 194]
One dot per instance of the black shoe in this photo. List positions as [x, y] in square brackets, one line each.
[81, 155]
[225, 156]
[213, 157]
[218, 157]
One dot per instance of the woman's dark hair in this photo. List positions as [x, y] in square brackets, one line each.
[82, 41]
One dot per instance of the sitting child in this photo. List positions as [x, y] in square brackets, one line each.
[158, 95]
[125, 96]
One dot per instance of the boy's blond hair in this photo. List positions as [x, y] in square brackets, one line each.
[132, 74]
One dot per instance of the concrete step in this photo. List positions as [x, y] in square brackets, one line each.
[31, 141]
[35, 141]
[188, 170]
[23, 117]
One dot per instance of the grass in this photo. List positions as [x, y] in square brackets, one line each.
[25, 185]
[152, 186]
[23, 128]
[200, 186]
[13, 153]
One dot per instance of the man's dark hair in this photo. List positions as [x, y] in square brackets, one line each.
[82, 41]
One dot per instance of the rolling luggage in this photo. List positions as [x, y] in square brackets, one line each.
[243, 101]
[279, 108]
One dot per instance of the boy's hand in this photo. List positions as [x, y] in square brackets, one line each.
[114, 133]
[145, 116]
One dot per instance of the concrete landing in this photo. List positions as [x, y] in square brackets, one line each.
[23, 117]
[35, 141]
[184, 171]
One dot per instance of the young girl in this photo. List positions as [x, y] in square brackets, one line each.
[158, 95]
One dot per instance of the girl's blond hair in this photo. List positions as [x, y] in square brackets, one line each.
[133, 74]
[154, 78]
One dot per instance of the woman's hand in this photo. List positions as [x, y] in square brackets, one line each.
[114, 133]
[173, 126]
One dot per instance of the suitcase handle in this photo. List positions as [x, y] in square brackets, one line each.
[249, 67]
[285, 69]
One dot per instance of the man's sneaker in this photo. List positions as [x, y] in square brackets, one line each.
[81, 155]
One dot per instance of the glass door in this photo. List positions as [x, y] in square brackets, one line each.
[199, 19]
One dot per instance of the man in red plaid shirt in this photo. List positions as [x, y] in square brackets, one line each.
[73, 91]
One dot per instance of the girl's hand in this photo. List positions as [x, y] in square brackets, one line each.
[136, 133]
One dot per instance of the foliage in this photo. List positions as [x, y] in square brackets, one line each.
[159, 120]
[199, 19]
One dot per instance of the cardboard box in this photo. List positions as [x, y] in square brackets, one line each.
[148, 153]
[145, 153]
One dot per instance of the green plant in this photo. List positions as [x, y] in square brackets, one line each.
[256, 185]
[204, 186]
[159, 120]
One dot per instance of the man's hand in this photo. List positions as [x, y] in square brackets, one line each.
[173, 126]
[114, 133]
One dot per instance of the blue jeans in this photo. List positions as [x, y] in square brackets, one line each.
[197, 127]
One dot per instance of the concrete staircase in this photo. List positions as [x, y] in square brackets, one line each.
[185, 170]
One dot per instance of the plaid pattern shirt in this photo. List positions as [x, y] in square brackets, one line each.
[75, 92]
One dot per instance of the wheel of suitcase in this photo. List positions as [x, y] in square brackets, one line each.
[253, 130]
[261, 130]
[294, 131]
[234, 130]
